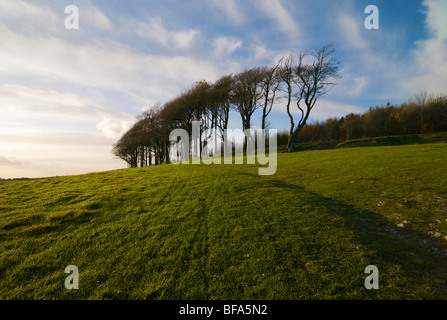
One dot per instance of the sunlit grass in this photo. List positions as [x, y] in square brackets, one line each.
[224, 232]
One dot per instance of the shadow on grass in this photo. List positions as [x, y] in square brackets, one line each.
[422, 260]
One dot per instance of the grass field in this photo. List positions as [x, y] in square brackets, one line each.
[224, 232]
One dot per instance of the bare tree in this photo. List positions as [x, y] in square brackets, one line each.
[247, 94]
[248, 97]
[312, 80]
[286, 73]
[128, 147]
[304, 77]
[222, 97]
[270, 84]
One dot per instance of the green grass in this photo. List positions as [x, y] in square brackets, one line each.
[224, 232]
[376, 141]
[397, 140]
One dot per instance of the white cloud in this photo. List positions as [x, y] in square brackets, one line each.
[53, 87]
[436, 11]
[261, 55]
[5, 156]
[276, 11]
[154, 30]
[106, 66]
[96, 18]
[35, 19]
[429, 70]
[46, 133]
[350, 31]
[325, 109]
[113, 129]
[226, 46]
[231, 9]
[260, 52]
[351, 86]
[30, 19]
[46, 101]
[32, 110]
[50, 155]
[8, 161]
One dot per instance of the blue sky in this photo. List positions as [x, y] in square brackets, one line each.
[67, 95]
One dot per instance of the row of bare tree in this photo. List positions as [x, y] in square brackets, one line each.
[301, 79]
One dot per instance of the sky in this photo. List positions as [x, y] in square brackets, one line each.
[66, 95]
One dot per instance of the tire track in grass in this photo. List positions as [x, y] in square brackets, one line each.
[199, 278]
[208, 188]
[187, 242]
[230, 234]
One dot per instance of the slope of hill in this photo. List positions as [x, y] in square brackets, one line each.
[397, 140]
[223, 232]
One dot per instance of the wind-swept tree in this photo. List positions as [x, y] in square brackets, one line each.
[247, 94]
[287, 73]
[127, 147]
[222, 91]
[270, 84]
[152, 129]
[312, 80]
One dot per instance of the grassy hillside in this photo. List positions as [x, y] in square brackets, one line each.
[375, 141]
[224, 232]
[397, 140]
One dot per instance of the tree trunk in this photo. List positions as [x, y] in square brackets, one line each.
[293, 137]
[167, 153]
[292, 140]
[141, 157]
[156, 156]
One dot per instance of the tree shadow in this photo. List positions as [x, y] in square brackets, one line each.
[421, 258]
